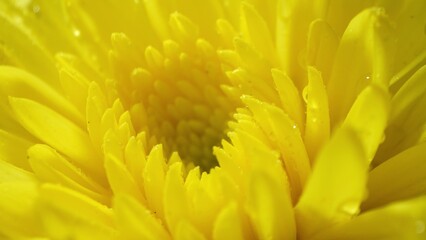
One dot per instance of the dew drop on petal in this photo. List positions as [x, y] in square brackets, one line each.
[350, 208]
[76, 32]
[305, 94]
[36, 9]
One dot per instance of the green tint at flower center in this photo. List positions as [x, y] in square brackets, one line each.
[178, 101]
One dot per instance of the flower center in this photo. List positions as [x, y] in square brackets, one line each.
[178, 101]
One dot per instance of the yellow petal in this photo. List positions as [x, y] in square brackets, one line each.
[184, 30]
[285, 134]
[291, 100]
[18, 189]
[13, 149]
[228, 224]
[154, 178]
[336, 186]
[66, 213]
[401, 177]
[270, 208]
[410, 20]
[75, 86]
[317, 130]
[368, 117]
[23, 50]
[251, 59]
[400, 220]
[136, 222]
[293, 19]
[120, 179]
[50, 166]
[19, 83]
[135, 158]
[157, 14]
[322, 47]
[363, 57]
[255, 30]
[186, 231]
[175, 203]
[95, 107]
[406, 118]
[204, 14]
[57, 131]
[407, 96]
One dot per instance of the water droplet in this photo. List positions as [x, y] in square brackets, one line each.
[294, 126]
[368, 77]
[420, 227]
[36, 9]
[76, 32]
[305, 94]
[350, 208]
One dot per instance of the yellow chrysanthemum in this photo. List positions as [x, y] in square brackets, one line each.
[215, 119]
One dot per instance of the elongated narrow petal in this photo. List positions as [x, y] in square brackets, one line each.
[366, 41]
[10, 149]
[18, 83]
[336, 187]
[228, 224]
[317, 130]
[18, 189]
[368, 117]
[398, 178]
[175, 202]
[136, 221]
[50, 166]
[59, 204]
[401, 220]
[45, 124]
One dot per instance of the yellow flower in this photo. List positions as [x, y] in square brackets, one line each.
[277, 119]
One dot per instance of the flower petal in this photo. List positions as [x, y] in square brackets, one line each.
[228, 224]
[57, 131]
[317, 128]
[368, 116]
[256, 31]
[18, 191]
[175, 202]
[285, 134]
[66, 214]
[363, 57]
[19, 83]
[50, 166]
[120, 179]
[270, 208]
[400, 220]
[23, 50]
[136, 222]
[405, 124]
[336, 186]
[186, 230]
[291, 100]
[322, 47]
[154, 178]
[12, 149]
[401, 177]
